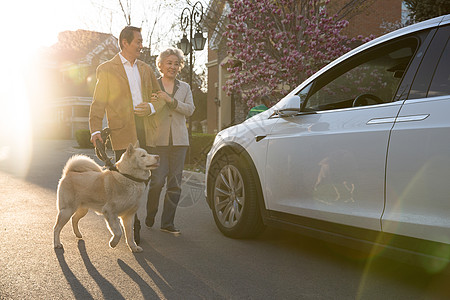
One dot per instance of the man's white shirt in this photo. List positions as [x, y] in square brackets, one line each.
[134, 81]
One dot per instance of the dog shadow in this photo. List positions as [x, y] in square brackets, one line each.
[79, 291]
[108, 290]
[163, 278]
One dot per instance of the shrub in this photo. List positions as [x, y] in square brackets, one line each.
[83, 137]
[200, 145]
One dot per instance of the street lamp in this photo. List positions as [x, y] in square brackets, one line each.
[185, 45]
[191, 17]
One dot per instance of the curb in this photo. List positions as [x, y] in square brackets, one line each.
[194, 177]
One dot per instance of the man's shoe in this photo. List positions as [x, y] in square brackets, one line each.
[171, 229]
[149, 222]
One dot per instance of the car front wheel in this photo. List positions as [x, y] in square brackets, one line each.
[235, 198]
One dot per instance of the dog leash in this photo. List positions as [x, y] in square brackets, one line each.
[101, 154]
[100, 149]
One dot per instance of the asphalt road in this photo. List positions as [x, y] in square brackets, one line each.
[199, 264]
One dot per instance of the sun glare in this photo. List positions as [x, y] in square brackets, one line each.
[26, 27]
[15, 139]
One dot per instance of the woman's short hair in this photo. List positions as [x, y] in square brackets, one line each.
[168, 52]
[128, 34]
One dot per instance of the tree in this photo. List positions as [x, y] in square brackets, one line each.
[127, 13]
[421, 10]
[276, 44]
[158, 19]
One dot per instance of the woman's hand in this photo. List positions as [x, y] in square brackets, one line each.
[154, 97]
[165, 97]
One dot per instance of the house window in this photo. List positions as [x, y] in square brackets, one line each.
[59, 115]
[81, 111]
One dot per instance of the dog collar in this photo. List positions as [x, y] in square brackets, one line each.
[113, 168]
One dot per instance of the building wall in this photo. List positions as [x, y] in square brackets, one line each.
[225, 113]
[70, 114]
[241, 111]
[368, 22]
[211, 98]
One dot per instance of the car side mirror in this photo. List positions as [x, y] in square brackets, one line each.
[289, 107]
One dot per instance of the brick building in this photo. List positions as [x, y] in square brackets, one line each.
[222, 110]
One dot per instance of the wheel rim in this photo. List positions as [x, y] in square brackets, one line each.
[229, 196]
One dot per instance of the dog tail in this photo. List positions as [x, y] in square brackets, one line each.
[81, 163]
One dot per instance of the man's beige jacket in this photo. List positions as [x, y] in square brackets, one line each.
[112, 95]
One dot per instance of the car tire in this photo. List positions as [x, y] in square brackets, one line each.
[234, 193]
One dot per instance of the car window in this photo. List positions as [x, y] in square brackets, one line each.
[303, 93]
[427, 69]
[375, 72]
[440, 84]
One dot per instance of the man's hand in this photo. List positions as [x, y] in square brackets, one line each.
[142, 109]
[96, 137]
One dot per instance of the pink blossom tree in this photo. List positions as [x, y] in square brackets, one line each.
[276, 44]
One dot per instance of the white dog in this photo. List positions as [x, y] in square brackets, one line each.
[115, 194]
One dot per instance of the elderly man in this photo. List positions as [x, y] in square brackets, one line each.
[127, 90]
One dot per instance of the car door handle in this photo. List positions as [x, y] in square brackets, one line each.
[381, 121]
[412, 118]
[398, 119]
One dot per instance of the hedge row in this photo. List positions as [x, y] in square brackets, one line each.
[83, 137]
[200, 145]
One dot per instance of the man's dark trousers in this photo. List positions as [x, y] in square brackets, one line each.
[118, 153]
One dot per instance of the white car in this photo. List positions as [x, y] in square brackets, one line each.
[357, 153]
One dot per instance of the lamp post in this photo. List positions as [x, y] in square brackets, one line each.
[191, 17]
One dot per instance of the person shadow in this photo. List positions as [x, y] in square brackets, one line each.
[148, 290]
[166, 279]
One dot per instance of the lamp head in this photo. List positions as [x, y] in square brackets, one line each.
[185, 45]
[199, 41]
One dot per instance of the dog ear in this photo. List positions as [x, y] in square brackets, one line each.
[130, 149]
[137, 144]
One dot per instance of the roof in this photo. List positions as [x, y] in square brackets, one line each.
[215, 21]
[81, 46]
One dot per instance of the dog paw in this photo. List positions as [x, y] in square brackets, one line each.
[79, 235]
[137, 249]
[114, 241]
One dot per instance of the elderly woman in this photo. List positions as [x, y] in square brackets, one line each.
[172, 140]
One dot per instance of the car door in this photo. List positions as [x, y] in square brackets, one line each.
[328, 163]
[418, 166]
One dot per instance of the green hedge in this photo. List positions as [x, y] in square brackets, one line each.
[200, 145]
[83, 137]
